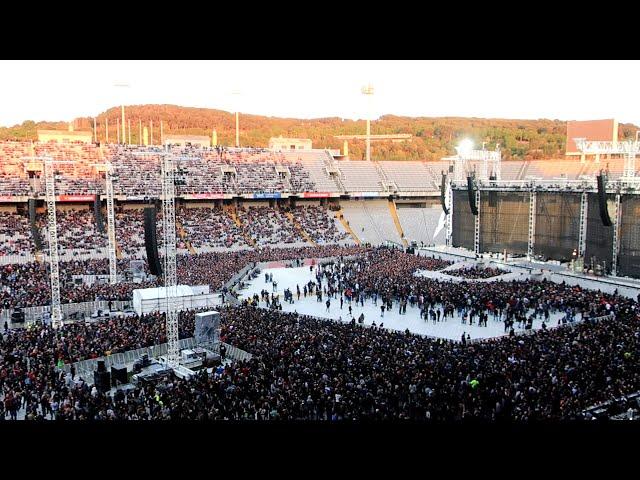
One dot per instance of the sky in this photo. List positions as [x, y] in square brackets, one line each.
[566, 90]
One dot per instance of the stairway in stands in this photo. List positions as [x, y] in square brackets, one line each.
[396, 221]
[300, 230]
[183, 236]
[523, 171]
[340, 216]
[231, 211]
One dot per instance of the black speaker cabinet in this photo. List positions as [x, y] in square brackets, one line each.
[102, 380]
[118, 375]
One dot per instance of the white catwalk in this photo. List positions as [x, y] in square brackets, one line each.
[451, 329]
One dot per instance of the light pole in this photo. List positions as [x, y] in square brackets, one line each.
[236, 101]
[368, 91]
[124, 85]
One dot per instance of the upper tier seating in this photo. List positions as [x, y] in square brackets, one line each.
[360, 176]
[410, 175]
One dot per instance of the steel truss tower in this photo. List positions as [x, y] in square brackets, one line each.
[628, 148]
[582, 238]
[491, 163]
[169, 238]
[532, 223]
[168, 177]
[111, 227]
[449, 217]
[616, 236]
[52, 239]
[52, 235]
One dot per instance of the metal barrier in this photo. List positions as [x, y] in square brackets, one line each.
[85, 368]
[32, 314]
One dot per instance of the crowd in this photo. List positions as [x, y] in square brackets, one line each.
[210, 227]
[77, 232]
[28, 284]
[319, 224]
[269, 226]
[476, 272]
[15, 234]
[388, 276]
[310, 369]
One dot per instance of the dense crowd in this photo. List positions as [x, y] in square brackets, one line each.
[316, 221]
[269, 226]
[15, 234]
[309, 369]
[210, 227]
[389, 276]
[476, 272]
[28, 284]
[77, 232]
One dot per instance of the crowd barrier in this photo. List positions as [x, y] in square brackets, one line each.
[31, 314]
[85, 368]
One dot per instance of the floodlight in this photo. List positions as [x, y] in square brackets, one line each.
[465, 146]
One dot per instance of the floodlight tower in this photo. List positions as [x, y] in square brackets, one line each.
[237, 94]
[52, 235]
[368, 91]
[124, 85]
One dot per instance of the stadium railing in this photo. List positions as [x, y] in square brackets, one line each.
[85, 368]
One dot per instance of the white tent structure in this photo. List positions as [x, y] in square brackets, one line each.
[147, 300]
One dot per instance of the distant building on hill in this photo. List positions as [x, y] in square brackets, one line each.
[201, 140]
[281, 143]
[65, 136]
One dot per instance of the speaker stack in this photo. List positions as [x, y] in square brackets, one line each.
[97, 213]
[602, 202]
[118, 375]
[151, 241]
[35, 232]
[102, 378]
[443, 190]
[472, 196]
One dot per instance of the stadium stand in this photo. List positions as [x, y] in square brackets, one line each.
[360, 176]
[410, 175]
[320, 224]
[420, 224]
[371, 221]
[210, 229]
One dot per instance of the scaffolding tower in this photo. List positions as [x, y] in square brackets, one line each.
[168, 180]
[491, 164]
[52, 234]
[628, 148]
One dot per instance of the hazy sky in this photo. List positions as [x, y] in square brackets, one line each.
[566, 90]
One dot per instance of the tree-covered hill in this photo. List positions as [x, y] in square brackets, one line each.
[433, 137]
